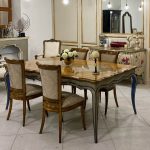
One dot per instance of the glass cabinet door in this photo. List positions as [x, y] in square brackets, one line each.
[5, 12]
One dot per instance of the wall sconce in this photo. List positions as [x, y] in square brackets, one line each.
[65, 2]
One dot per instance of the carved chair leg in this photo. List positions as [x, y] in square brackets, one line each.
[60, 126]
[46, 112]
[7, 84]
[43, 121]
[73, 89]
[85, 94]
[24, 112]
[115, 96]
[85, 97]
[28, 104]
[83, 116]
[100, 96]
[10, 108]
[106, 102]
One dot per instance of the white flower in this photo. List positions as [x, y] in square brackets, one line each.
[75, 53]
[70, 54]
[64, 55]
[95, 54]
[66, 50]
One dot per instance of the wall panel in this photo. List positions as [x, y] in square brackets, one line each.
[89, 21]
[66, 21]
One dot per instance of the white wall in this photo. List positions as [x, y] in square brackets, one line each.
[39, 12]
[116, 4]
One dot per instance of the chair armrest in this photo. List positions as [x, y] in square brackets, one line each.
[36, 56]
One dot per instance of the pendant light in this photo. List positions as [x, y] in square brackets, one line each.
[109, 5]
[65, 2]
[126, 6]
[140, 8]
[141, 5]
[142, 2]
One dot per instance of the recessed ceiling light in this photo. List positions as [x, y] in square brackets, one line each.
[65, 2]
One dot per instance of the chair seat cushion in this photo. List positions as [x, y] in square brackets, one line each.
[70, 99]
[33, 89]
[2, 72]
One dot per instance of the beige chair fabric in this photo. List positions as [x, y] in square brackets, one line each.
[33, 89]
[49, 83]
[82, 55]
[15, 75]
[2, 72]
[51, 49]
[11, 52]
[108, 58]
[71, 99]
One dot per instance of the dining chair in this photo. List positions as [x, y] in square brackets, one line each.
[11, 52]
[51, 47]
[82, 55]
[19, 90]
[54, 100]
[112, 58]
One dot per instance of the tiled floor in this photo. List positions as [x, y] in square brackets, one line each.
[120, 130]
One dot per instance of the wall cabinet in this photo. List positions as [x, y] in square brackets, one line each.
[76, 24]
[111, 21]
[129, 57]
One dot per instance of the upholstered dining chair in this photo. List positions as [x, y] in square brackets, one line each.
[11, 52]
[51, 47]
[19, 90]
[54, 100]
[112, 58]
[82, 55]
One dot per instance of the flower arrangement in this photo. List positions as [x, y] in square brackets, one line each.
[95, 54]
[67, 54]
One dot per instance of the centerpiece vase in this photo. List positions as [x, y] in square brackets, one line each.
[68, 61]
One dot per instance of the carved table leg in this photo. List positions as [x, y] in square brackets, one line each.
[133, 90]
[95, 106]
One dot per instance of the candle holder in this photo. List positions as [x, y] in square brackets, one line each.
[96, 72]
[95, 56]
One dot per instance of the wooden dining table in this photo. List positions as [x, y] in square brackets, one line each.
[80, 74]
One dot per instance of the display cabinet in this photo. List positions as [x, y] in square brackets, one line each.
[111, 21]
[130, 57]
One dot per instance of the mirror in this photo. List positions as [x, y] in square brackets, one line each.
[127, 23]
[122, 16]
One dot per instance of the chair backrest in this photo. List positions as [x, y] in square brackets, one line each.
[82, 53]
[11, 52]
[51, 47]
[108, 56]
[51, 81]
[16, 70]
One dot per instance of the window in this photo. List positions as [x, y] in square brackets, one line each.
[5, 12]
